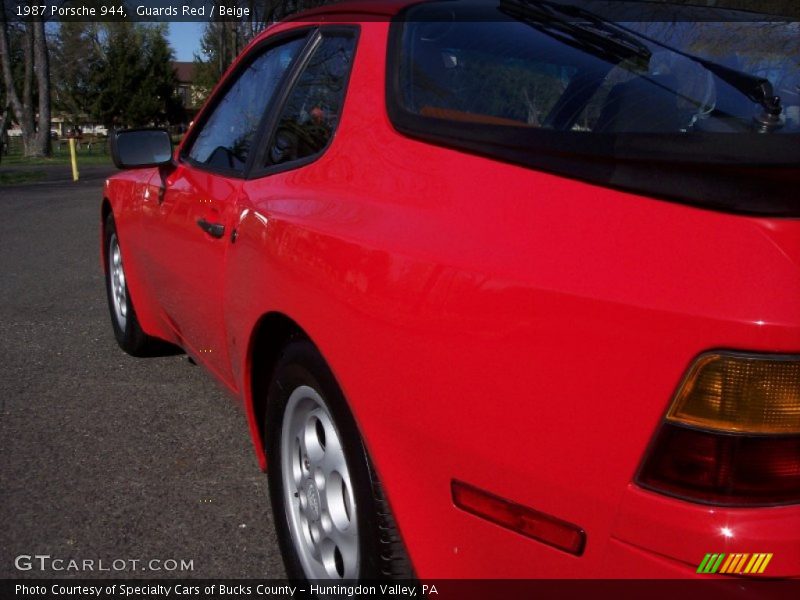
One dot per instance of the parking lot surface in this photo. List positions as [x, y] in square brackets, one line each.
[104, 457]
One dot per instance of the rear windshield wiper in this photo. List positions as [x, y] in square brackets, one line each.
[592, 34]
[576, 19]
[756, 89]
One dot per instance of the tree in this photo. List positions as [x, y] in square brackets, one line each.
[117, 74]
[270, 11]
[221, 43]
[5, 117]
[76, 55]
[3, 123]
[156, 100]
[223, 40]
[134, 80]
[27, 95]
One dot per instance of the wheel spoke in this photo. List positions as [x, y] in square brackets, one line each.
[333, 458]
[315, 445]
[348, 547]
[305, 461]
[297, 463]
[309, 540]
[116, 283]
[333, 461]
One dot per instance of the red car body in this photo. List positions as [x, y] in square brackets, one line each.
[489, 323]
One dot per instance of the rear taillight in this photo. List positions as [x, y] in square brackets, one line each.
[732, 434]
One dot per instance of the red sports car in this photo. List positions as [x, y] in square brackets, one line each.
[506, 289]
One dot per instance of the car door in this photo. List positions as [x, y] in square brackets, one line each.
[190, 223]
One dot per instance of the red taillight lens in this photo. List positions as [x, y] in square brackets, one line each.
[724, 469]
[732, 434]
[531, 523]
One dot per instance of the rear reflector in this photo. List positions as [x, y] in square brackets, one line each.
[531, 523]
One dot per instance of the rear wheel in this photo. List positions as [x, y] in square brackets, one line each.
[127, 329]
[330, 513]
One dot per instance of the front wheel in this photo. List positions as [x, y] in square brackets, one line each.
[127, 330]
[332, 519]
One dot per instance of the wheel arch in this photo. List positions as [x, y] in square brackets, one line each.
[271, 333]
[105, 210]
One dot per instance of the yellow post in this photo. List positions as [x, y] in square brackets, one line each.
[74, 159]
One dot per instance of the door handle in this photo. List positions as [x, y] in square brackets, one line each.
[215, 230]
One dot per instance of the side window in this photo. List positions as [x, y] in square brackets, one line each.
[312, 111]
[483, 73]
[225, 139]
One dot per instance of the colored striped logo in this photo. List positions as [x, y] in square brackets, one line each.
[735, 564]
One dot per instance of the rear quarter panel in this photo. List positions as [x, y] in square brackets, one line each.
[512, 329]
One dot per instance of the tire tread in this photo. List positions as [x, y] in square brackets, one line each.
[395, 563]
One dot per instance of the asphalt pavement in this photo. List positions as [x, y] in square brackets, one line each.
[104, 457]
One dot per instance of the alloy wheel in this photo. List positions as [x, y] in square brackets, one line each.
[319, 497]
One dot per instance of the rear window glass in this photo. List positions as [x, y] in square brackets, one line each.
[557, 87]
[489, 83]
[532, 66]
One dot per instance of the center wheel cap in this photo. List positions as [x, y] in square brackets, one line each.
[313, 500]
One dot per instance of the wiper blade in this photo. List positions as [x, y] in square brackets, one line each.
[591, 34]
[756, 89]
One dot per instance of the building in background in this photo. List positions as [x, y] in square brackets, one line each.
[188, 92]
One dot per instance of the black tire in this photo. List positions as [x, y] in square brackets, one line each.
[381, 551]
[128, 332]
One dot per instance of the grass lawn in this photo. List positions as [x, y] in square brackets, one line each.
[17, 160]
[16, 169]
[12, 177]
[97, 156]
[91, 151]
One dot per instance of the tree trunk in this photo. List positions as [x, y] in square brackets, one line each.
[3, 125]
[26, 119]
[12, 97]
[41, 142]
[36, 65]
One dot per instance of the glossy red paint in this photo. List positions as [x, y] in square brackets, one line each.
[489, 323]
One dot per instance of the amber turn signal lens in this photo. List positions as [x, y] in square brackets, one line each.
[740, 393]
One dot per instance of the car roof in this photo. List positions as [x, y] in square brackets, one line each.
[382, 8]
[388, 8]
